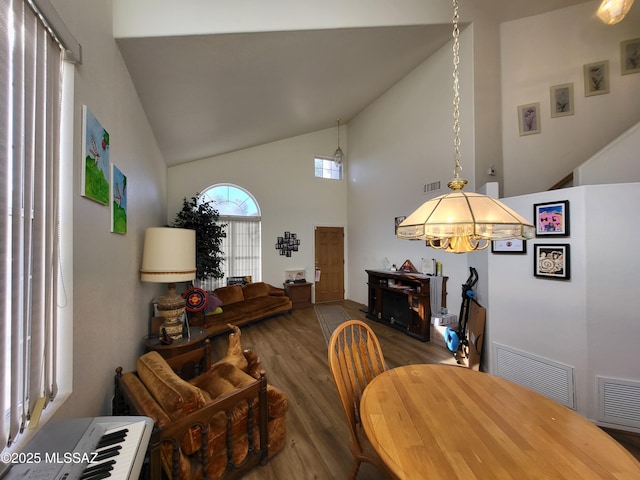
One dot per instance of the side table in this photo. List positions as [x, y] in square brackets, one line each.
[183, 345]
[299, 294]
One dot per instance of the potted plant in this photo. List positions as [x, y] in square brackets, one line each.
[203, 218]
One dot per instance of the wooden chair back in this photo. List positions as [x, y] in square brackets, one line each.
[355, 358]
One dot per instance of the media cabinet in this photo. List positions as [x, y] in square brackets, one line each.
[402, 300]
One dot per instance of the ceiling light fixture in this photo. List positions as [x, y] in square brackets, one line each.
[338, 156]
[613, 11]
[461, 222]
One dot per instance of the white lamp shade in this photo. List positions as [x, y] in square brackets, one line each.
[169, 255]
[464, 214]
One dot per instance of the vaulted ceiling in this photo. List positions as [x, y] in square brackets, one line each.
[206, 95]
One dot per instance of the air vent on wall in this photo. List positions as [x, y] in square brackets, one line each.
[432, 187]
[547, 377]
[619, 401]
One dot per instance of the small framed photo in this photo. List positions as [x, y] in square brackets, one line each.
[513, 246]
[552, 261]
[552, 219]
[596, 78]
[529, 119]
[294, 276]
[561, 100]
[630, 56]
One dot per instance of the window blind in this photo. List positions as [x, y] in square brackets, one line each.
[30, 92]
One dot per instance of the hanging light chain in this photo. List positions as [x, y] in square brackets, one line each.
[456, 92]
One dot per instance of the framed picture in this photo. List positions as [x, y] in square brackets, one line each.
[398, 221]
[552, 219]
[118, 201]
[630, 56]
[552, 261]
[561, 100]
[529, 119]
[514, 246]
[294, 276]
[596, 78]
[95, 159]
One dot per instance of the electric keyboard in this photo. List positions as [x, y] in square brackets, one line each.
[85, 449]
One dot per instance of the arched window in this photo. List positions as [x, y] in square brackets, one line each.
[239, 210]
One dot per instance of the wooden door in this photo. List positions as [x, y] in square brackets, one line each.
[329, 245]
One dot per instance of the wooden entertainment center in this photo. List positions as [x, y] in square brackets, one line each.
[402, 300]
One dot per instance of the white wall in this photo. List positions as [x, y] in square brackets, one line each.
[280, 175]
[590, 321]
[551, 49]
[110, 303]
[615, 163]
[400, 142]
[612, 266]
[537, 315]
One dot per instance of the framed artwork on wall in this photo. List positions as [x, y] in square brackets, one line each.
[529, 119]
[596, 78]
[630, 56]
[552, 261]
[552, 219]
[561, 100]
[118, 201]
[513, 246]
[95, 159]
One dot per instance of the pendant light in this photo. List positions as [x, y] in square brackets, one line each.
[461, 222]
[338, 156]
[613, 11]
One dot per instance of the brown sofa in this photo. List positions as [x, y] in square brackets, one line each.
[225, 420]
[241, 305]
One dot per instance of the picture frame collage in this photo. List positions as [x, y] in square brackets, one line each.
[287, 244]
[550, 260]
[596, 79]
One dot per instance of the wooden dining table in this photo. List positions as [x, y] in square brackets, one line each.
[449, 422]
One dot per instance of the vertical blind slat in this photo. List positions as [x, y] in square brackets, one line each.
[17, 221]
[5, 223]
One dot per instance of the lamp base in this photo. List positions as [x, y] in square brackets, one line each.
[172, 327]
[171, 308]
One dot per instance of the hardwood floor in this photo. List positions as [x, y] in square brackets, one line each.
[293, 352]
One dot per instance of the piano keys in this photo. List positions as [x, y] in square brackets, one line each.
[86, 449]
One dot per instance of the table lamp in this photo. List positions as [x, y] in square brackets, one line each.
[169, 256]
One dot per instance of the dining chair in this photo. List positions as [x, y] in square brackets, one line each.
[355, 358]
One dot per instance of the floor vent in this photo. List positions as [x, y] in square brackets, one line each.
[619, 402]
[551, 379]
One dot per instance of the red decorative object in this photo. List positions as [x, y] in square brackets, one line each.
[196, 299]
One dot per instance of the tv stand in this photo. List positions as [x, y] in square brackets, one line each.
[402, 300]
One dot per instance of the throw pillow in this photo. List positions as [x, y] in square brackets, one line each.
[213, 303]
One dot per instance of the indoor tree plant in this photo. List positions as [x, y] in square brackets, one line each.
[203, 218]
